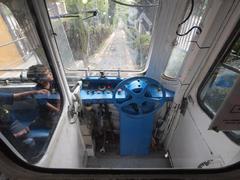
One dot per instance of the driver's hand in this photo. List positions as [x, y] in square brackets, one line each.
[22, 132]
[43, 91]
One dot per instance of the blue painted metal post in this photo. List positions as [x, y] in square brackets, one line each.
[135, 134]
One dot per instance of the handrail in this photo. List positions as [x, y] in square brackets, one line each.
[19, 39]
[105, 70]
[13, 69]
[118, 71]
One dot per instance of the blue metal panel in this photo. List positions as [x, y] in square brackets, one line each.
[144, 96]
[136, 134]
[97, 90]
[169, 95]
[97, 96]
[137, 99]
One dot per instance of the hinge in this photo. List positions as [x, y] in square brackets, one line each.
[73, 108]
[211, 163]
[183, 106]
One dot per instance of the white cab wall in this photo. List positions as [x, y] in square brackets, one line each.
[66, 149]
[183, 149]
[189, 136]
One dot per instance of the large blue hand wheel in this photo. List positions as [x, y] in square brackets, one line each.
[139, 96]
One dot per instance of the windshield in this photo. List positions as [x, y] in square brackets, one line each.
[103, 35]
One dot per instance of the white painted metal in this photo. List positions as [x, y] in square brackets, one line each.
[164, 33]
[185, 136]
[189, 141]
[223, 16]
[66, 148]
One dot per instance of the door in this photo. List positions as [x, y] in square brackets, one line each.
[190, 142]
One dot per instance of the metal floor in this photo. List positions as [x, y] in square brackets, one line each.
[113, 160]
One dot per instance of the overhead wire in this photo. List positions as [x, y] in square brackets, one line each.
[135, 5]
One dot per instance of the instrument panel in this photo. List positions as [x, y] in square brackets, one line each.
[97, 90]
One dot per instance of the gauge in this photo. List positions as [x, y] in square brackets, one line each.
[102, 87]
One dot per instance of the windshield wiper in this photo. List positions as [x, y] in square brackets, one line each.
[74, 15]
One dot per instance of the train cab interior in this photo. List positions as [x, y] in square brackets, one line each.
[119, 85]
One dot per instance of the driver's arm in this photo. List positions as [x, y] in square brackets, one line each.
[19, 96]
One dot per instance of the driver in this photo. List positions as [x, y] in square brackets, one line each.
[15, 131]
[16, 128]
[49, 104]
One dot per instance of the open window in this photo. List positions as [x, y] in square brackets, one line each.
[30, 100]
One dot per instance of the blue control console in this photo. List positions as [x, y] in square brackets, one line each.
[96, 90]
[137, 99]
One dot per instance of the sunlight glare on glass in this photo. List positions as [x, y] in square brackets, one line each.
[84, 1]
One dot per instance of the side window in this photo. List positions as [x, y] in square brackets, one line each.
[30, 101]
[219, 83]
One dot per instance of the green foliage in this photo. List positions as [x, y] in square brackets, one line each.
[71, 6]
[144, 39]
[102, 5]
[111, 11]
[76, 6]
[132, 36]
[85, 35]
[138, 40]
[215, 96]
[97, 35]
[77, 36]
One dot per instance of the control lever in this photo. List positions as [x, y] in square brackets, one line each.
[102, 74]
[102, 150]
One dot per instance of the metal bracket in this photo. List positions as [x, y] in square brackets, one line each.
[183, 106]
[73, 109]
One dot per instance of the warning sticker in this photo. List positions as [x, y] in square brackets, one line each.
[227, 117]
[236, 109]
[231, 121]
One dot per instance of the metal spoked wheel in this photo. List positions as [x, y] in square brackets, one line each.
[139, 96]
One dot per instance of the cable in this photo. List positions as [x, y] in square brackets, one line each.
[194, 27]
[134, 5]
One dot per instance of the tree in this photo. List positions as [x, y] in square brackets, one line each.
[111, 11]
